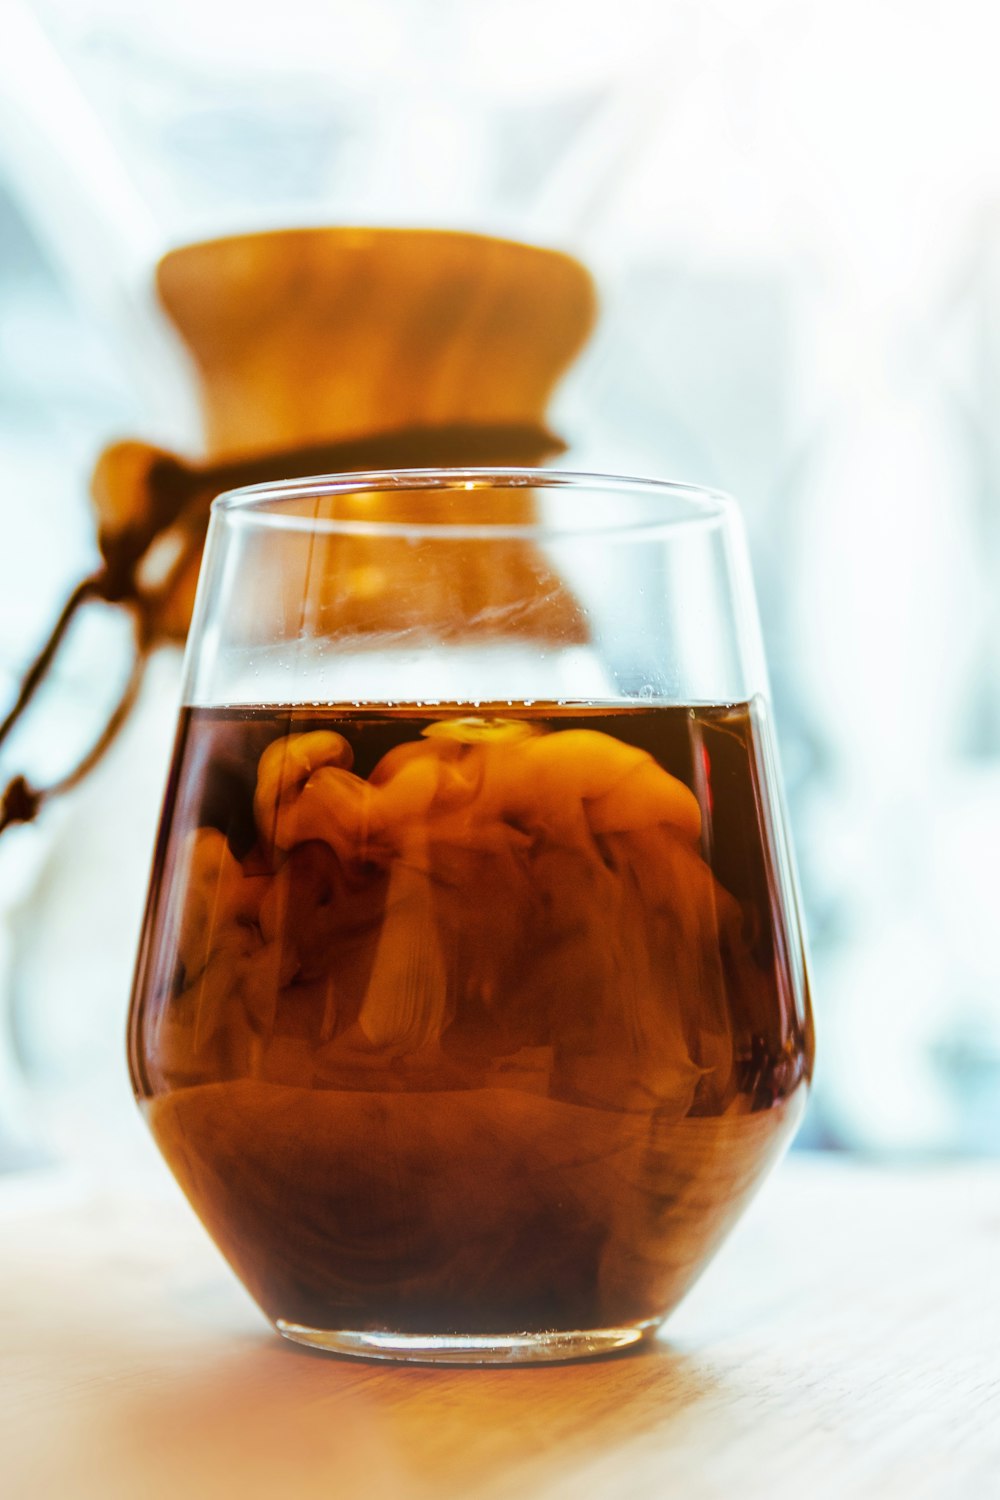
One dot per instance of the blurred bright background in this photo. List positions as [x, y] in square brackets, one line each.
[792, 208]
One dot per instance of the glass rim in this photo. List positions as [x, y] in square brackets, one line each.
[261, 504]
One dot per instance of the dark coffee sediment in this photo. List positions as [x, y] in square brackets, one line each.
[464, 1020]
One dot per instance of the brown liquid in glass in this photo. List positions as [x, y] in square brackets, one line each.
[469, 1021]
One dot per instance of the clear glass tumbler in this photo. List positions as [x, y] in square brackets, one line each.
[471, 1005]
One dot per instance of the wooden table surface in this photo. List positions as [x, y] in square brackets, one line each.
[845, 1343]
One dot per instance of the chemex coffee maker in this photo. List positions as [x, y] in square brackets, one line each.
[326, 350]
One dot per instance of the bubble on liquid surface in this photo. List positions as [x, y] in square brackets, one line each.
[476, 730]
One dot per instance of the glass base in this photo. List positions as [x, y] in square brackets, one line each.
[472, 1348]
